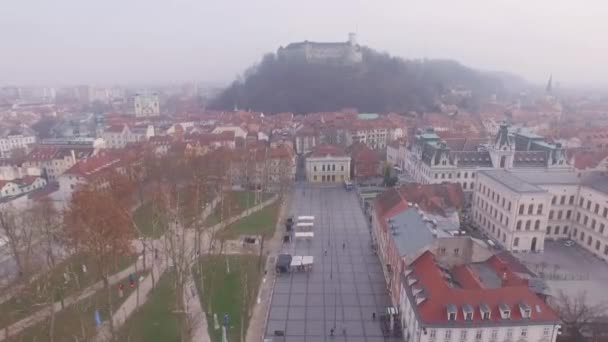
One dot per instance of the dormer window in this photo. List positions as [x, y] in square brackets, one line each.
[467, 311]
[484, 311]
[525, 310]
[451, 311]
[505, 311]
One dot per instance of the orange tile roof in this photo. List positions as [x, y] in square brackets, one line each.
[93, 165]
[325, 150]
[440, 293]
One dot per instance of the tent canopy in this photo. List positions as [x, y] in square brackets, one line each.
[305, 235]
[299, 260]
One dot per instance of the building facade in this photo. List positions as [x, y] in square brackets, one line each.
[433, 160]
[14, 139]
[482, 301]
[328, 164]
[54, 160]
[348, 52]
[146, 105]
[519, 209]
[512, 212]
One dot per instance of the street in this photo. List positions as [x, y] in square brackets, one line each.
[344, 288]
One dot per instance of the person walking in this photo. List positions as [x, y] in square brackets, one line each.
[325, 252]
[373, 316]
[343, 245]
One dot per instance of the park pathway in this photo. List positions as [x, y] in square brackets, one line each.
[134, 301]
[44, 313]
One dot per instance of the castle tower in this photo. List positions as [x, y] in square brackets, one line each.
[503, 149]
[352, 38]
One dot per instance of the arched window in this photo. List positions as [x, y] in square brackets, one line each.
[518, 226]
[537, 225]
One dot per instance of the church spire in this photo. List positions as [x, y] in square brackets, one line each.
[549, 87]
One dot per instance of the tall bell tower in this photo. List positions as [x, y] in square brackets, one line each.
[502, 151]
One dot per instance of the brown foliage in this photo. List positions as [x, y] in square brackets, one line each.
[97, 223]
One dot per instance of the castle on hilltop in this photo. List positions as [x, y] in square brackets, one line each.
[347, 53]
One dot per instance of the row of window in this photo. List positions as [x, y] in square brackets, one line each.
[596, 207]
[481, 220]
[562, 200]
[559, 214]
[528, 225]
[492, 211]
[328, 167]
[593, 224]
[328, 178]
[449, 175]
[495, 197]
[598, 243]
[523, 333]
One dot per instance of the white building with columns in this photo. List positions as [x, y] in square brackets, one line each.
[328, 164]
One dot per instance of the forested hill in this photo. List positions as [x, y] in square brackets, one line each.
[380, 84]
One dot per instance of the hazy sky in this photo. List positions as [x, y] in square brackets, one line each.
[121, 41]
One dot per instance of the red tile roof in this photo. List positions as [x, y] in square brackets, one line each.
[589, 159]
[389, 203]
[93, 165]
[440, 292]
[434, 198]
[325, 150]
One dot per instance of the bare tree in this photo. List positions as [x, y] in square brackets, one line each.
[20, 238]
[47, 222]
[97, 223]
[576, 312]
[180, 250]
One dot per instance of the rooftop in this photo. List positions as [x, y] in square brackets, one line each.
[506, 300]
[597, 180]
[512, 182]
[326, 150]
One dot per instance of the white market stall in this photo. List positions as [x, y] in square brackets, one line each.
[304, 235]
[304, 226]
[302, 262]
[306, 218]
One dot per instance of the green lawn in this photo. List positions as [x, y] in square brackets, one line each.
[30, 297]
[226, 290]
[262, 222]
[155, 320]
[77, 319]
[235, 203]
[150, 222]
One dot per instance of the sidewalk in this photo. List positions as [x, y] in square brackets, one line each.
[132, 303]
[257, 323]
[196, 313]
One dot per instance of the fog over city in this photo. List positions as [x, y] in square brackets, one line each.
[112, 41]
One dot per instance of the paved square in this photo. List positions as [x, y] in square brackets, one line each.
[344, 287]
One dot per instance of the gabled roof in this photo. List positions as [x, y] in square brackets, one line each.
[92, 166]
[458, 289]
[589, 159]
[439, 199]
[327, 150]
